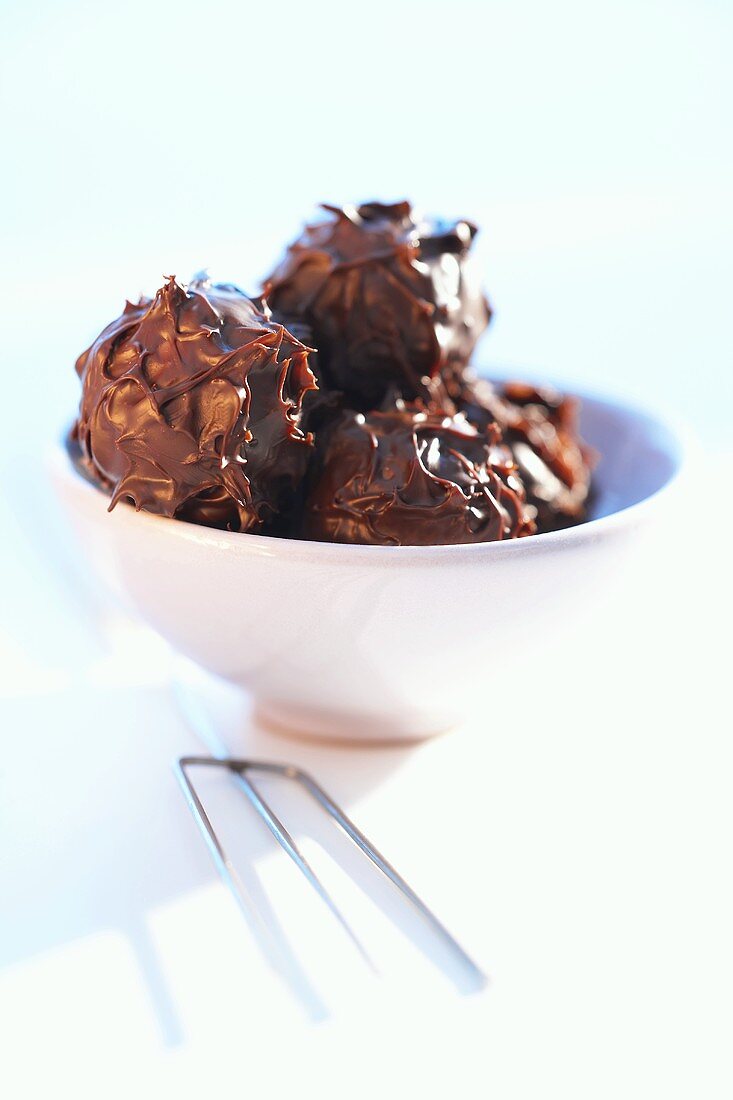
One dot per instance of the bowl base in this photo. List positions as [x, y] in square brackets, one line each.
[230, 722]
[328, 726]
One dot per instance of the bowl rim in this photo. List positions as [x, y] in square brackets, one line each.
[333, 553]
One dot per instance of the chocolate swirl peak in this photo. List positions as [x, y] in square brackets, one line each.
[390, 298]
[191, 406]
[408, 476]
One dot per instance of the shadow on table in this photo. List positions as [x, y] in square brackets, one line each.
[97, 834]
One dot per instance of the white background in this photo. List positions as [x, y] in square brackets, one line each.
[581, 850]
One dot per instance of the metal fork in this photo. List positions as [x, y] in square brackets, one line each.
[241, 770]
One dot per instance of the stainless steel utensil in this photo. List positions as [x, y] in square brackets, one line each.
[473, 977]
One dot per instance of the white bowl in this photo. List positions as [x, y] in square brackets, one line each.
[376, 643]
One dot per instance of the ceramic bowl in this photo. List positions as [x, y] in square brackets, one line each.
[377, 643]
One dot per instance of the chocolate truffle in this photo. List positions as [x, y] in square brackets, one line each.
[191, 407]
[390, 298]
[540, 427]
[408, 476]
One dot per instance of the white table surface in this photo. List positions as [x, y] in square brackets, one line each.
[576, 840]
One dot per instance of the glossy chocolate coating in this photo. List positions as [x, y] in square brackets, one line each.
[540, 427]
[407, 476]
[390, 299]
[191, 407]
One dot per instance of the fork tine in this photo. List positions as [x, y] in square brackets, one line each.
[274, 948]
[221, 859]
[285, 840]
[376, 857]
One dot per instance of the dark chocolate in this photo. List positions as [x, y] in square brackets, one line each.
[408, 476]
[391, 299]
[540, 426]
[191, 407]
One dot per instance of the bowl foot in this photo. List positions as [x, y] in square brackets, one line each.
[330, 726]
[229, 722]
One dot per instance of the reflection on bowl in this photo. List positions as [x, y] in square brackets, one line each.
[370, 642]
